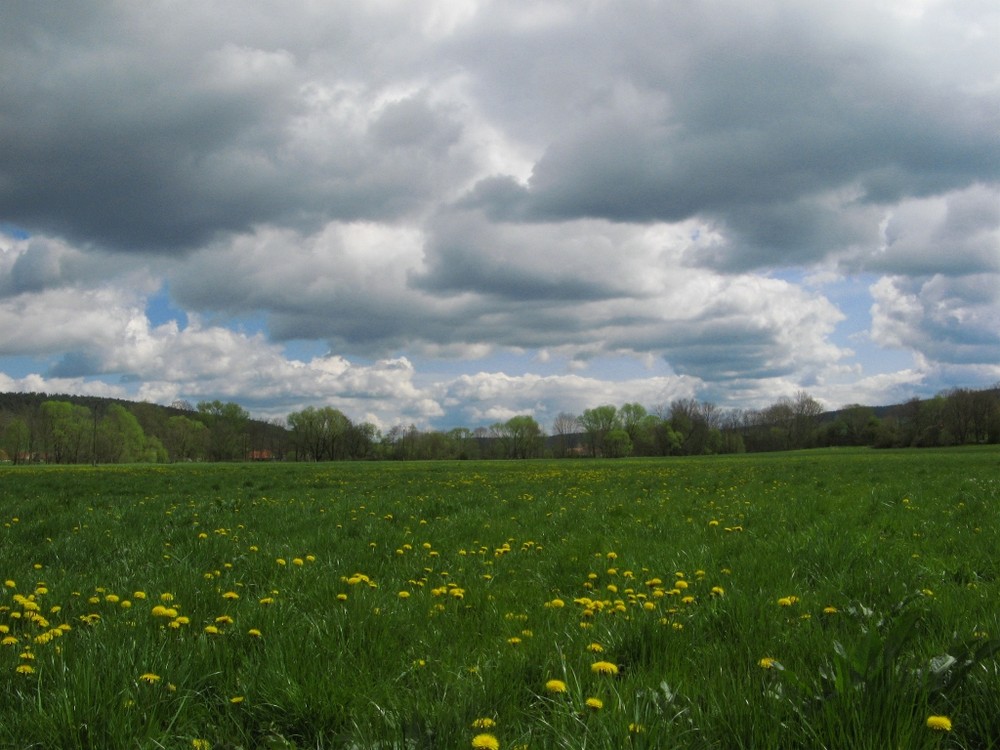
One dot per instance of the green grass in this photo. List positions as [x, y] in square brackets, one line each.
[901, 544]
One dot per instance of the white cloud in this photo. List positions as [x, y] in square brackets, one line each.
[420, 186]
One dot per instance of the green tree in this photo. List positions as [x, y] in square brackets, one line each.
[617, 443]
[16, 439]
[65, 431]
[119, 437]
[319, 434]
[597, 423]
[227, 429]
[186, 438]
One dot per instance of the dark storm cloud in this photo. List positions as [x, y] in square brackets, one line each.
[130, 137]
[749, 115]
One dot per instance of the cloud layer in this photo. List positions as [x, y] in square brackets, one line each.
[460, 208]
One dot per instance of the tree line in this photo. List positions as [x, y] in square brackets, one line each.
[36, 428]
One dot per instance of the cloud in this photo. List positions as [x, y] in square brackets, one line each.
[419, 188]
[952, 320]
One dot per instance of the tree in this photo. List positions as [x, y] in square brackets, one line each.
[186, 439]
[525, 436]
[597, 423]
[17, 440]
[227, 423]
[65, 429]
[564, 427]
[617, 443]
[119, 437]
[319, 434]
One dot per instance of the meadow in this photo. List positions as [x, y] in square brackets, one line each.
[828, 599]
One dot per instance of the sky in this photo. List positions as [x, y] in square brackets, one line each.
[450, 212]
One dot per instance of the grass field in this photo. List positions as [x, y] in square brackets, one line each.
[820, 599]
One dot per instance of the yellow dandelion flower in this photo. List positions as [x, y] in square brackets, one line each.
[595, 648]
[403, 594]
[230, 595]
[604, 667]
[514, 640]
[555, 686]
[212, 630]
[298, 561]
[939, 723]
[636, 728]
[829, 610]
[236, 699]
[594, 704]
[484, 723]
[341, 597]
[10, 584]
[9, 641]
[149, 678]
[198, 744]
[485, 742]
[267, 600]
[165, 597]
[787, 601]
[25, 669]
[768, 662]
[254, 633]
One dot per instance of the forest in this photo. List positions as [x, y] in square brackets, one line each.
[60, 429]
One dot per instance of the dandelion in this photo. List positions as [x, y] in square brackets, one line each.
[403, 594]
[594, 704]
[595, 648]
[768, 662]
[198, 744]
[939, 723]
[236, 699]
[555, 686]
[787, 601]
[486, 742]
[149, 678]
[230, 595]
[254, 633]
[484, 723]
[298, 561]
[212, 630]
[9, 641]
[604, 667]
[829, 610]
